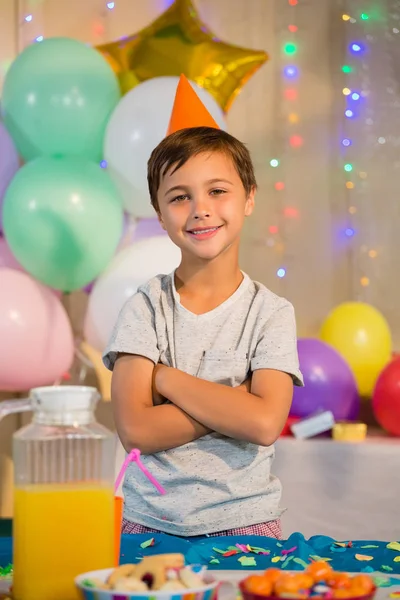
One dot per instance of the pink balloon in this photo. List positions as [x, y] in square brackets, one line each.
[8, 260]
[36, 340]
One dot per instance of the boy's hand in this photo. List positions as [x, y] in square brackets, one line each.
[158, 398]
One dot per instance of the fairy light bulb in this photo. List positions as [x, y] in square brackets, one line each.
[281, 272]
[364, 281]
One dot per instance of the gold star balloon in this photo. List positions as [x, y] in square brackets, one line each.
[178, 42]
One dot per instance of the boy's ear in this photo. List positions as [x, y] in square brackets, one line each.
[249, 207]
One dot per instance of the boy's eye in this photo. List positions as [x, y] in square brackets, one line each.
[217, 192]
[180, 198]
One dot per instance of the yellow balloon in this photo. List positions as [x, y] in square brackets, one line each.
[178, 42]
[361, 334]
[103, 375]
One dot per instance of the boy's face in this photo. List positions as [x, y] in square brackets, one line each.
[203, 205]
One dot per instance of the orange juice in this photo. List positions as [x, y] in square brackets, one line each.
[60, 531]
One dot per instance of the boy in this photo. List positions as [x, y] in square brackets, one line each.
[203, 359]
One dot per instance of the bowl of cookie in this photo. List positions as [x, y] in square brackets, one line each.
[159, 577]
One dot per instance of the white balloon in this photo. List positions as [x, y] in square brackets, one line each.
[130, 269]
[137, 125]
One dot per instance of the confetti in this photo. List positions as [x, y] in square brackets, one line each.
[219, 551]
[275, 559]
[386, 568]
[247, 561]
[394, 595]
[367, 569]
[394, 546]
[287, 561]
[363, 557]
[382, 582]
[6, 571]
[230, 553]
[147, 543]
[315, 557]
[396, 559]
[334, 548]
[242, 547]
[257, 550]
[284, 552]
[279, 545]
[341, 544]
[369, 546]
[300, 561]
[214, 561]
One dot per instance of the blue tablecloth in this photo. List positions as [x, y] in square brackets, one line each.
[294, 553]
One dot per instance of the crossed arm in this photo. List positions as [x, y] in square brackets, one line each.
[255, 412]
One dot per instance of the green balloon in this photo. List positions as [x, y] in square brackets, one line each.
[62, 218]
[57, 98]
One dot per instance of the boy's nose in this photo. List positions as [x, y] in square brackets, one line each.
[201, 208]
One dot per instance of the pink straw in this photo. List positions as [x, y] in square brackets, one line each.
[134, 456]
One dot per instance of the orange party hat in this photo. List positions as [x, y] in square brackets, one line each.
[188, 110]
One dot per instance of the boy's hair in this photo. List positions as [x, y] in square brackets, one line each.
[176, 149]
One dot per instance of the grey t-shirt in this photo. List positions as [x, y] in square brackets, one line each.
[214, 483]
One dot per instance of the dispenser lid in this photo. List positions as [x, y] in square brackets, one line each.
[63, 399]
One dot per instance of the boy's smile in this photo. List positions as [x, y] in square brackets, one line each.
[203, 205]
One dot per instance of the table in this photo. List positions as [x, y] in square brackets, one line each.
[346, 491]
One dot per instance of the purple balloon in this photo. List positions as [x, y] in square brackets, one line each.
[9, 165]
[133, 231]
[7, 258]
[329, 383]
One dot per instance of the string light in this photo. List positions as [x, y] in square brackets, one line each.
[39, 38]
[291, 94]
[296, 141]
[28, 18]
[355, 97]
[290, 48]
[291, 71]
